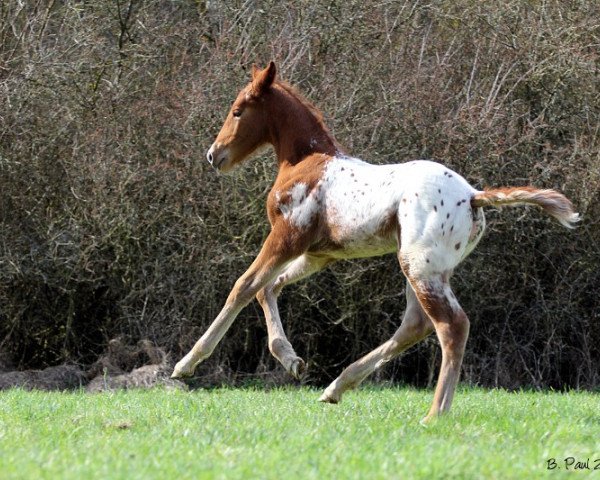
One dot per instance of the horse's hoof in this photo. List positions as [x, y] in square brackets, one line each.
[428, 420]
[178, 374]
[326, 398]
[182, 370]
[298, 368]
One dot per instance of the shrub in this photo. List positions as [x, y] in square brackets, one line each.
[113, 224]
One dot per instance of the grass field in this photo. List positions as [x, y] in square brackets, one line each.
[286, 433]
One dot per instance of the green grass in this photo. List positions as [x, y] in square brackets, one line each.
[286, 433]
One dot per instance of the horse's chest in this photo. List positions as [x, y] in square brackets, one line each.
[300, 206]
[350, 212]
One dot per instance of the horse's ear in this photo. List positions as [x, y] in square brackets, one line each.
[263, 79]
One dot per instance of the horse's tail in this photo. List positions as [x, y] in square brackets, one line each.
[552, 202]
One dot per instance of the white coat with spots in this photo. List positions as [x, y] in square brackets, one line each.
[430, 203]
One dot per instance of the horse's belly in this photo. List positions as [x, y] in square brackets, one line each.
[361, 248]
[349, 237]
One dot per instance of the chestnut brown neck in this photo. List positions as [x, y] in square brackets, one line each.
[296, 127]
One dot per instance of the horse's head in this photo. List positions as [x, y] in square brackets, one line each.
[246, 126]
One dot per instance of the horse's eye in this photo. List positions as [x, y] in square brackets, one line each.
[237, 113]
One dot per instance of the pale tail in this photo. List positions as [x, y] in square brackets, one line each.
[552, 202]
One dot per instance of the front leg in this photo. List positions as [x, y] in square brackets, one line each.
[279, 345]
[274, 255]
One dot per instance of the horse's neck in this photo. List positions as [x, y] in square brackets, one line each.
[299, 149]
[297, 133]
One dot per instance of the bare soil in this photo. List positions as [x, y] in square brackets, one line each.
[122, 366]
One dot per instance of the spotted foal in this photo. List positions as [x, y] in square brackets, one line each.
[326, 206]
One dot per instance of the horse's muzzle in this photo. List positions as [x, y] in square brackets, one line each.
[217, 156]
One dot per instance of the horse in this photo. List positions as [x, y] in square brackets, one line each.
[327, 206]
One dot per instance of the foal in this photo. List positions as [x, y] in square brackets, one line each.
[326, 206]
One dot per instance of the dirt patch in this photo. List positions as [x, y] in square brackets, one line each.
[121, 358]
[125, 366]
[122, 366]
[62, 377]
[144, 377]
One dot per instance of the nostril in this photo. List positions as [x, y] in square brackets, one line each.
[209, 155]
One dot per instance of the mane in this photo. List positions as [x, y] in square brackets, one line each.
[315, 112]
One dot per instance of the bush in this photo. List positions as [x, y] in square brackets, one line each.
[113, 223]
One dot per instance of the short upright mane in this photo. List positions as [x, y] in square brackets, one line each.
[316, 113]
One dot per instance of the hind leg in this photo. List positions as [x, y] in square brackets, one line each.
[279, 345]
[415, 327]
[452, 328]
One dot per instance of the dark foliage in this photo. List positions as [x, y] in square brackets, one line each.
[112, 223]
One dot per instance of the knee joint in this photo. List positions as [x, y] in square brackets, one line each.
[264, 294]
[242, 289]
